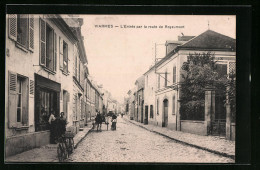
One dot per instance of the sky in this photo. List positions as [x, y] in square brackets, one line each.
[118, 56]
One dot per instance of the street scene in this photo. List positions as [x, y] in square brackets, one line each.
[138, 145]
[120, 88]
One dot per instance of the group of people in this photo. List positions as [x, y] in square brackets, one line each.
[57, 124]
[101, 118]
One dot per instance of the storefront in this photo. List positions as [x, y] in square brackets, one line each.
[47, 100]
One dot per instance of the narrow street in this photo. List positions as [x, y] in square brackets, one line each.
[130, 143]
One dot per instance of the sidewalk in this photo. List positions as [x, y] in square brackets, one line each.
[46, 153]
[214, 144]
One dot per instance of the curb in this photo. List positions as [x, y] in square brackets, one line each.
[76, 145]
[185, 143]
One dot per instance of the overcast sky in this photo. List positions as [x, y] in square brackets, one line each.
[118, 56]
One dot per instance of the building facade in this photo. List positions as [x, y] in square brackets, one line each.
[39, 63]
[167, 95]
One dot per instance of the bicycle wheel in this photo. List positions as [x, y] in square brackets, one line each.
[71, 145]
[60, 153]
[65, 152]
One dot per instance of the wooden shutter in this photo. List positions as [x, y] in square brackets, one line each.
[55, 52]
[174, 74]
[31, 87]
[12, 27]
[12, 100]
[31, 32]
[61, 53]
[42, 42]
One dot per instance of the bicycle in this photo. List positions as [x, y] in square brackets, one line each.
[65, 146]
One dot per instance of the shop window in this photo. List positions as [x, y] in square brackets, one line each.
[18, 100]
[46, 102]
[21, 30]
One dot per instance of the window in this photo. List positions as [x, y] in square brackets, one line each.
[65, 57]
[174, 74]
[48, 46]
[173, 105]
[221, 70]
[21, 30]
[151, 111]
[18, 100]
[165, 79]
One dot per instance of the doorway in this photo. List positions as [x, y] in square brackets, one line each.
[165, 113]
[146, 115]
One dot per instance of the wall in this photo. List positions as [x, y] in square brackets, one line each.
[195, 127]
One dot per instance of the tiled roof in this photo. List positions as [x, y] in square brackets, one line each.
[211, 40]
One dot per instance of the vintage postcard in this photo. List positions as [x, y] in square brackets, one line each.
[120, 88]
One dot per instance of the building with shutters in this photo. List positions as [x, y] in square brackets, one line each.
[80, 74]
[163, 83]
[44, 73]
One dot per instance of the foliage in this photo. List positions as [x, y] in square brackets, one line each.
[231, 90]
[198, 72]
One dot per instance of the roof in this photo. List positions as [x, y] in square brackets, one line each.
[211, 40]
[208, 40]
[140, 83]
[59, 21]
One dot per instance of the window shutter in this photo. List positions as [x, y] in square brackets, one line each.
[12, 100]
[42, 42]
[31, 32]
[12, 29]
[31, 87]
[61, 53]
[55, 52]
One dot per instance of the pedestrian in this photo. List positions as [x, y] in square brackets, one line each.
[98, 120]
[114, 120]
[52, 127]
[63, 122]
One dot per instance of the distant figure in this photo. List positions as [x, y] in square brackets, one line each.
[98, 120]
[114, 120]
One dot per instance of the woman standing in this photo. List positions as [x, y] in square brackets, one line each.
[52, 127]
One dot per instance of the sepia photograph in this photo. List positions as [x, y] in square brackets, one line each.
[120, 88]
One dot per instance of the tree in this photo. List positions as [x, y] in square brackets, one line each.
[198, 72]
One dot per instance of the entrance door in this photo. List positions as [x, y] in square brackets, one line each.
[165, 113]
[142, 112]
[146, 115]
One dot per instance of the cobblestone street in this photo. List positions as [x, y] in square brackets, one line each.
[130, 143]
